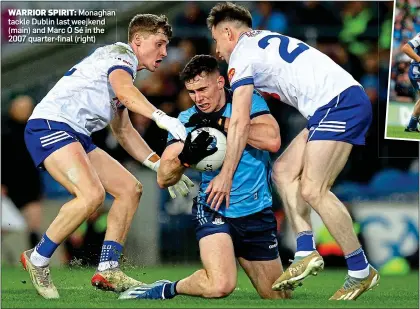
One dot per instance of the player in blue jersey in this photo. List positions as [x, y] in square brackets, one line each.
[339, 114]
[247, 229]
[412, 50]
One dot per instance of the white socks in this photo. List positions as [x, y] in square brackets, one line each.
[360, 274]
[39, 260]
[303, 253]
[107, 265]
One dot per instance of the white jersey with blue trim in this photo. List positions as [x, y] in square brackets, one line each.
[287, 69]
[83, 98]
[415, 44]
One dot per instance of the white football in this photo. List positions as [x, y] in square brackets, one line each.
[215, 161]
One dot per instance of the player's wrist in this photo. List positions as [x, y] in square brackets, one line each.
[157, 115]
[227, 172]
[152, 161]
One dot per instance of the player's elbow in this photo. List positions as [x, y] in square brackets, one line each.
[124, 93]
[274, 144]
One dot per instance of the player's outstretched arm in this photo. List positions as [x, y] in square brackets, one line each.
[128, 137]
[219, 188]
[133, 143]
[122, 84]
[409, 51]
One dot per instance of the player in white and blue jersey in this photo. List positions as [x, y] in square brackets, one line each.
[339, 114]
[247, 229]
[96, 92]
[412, 50]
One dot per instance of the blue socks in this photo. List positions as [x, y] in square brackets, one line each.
[357, 260]
[414, 120]
[41, 256]
[111, 252]
[305, 243]
[169, 290]
[357, 264]
[46, 246]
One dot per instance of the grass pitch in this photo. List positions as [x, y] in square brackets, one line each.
[76, 291]
[397, 132]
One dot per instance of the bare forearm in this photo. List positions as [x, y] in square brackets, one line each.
[133, 143]
[238, 129]
[410, 52]
[136, 102]
[263, 136]
[236, 142]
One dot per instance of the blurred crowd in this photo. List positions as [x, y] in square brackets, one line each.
[356, 35]
[406, 26]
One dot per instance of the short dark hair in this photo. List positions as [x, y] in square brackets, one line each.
[197, 65]
[149, 24]
[229, 11]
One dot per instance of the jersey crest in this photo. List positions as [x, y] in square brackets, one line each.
[231, 73]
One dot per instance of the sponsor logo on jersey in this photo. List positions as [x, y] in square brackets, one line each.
[125, 61]
[252, 33]
[231, 73]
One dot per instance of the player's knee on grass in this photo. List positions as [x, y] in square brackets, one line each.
[220, 284]
[221, 288]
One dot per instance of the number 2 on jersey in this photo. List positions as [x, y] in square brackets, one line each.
[284, 44]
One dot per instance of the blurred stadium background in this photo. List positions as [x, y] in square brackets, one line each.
[380, 190]
[402, 95]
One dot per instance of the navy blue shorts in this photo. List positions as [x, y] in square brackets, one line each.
[43, 137]
[345, 118]
[254, 236]
[414, 75]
